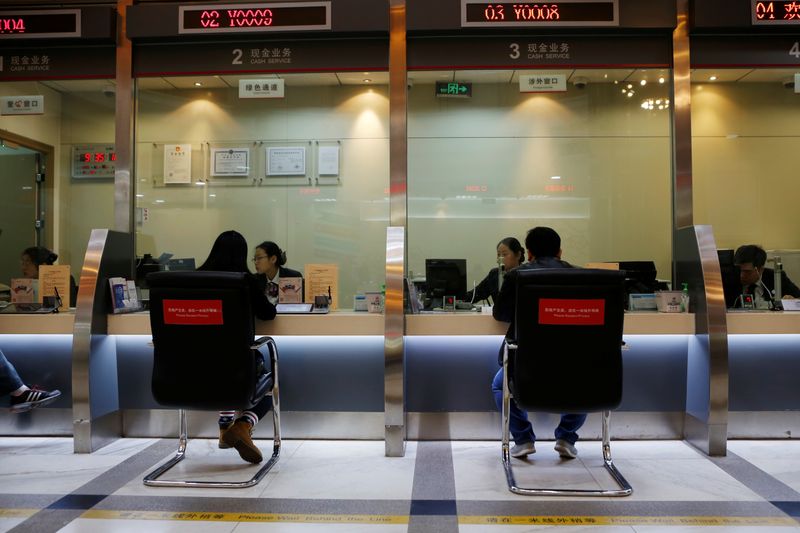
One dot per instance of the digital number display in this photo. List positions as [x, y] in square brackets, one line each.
[560, 13]
[255, 17]
[776, 12]
[40, 24]
[93, 161]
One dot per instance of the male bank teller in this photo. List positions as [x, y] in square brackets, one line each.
[758, 280]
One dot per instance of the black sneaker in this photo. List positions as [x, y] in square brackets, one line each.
[32, 398]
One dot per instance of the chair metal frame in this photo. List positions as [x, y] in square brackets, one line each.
[625, 488]
[151, 479]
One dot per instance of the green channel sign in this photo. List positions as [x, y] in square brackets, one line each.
[453, 89]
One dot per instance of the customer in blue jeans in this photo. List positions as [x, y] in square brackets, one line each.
[23, 398]
[544, 251]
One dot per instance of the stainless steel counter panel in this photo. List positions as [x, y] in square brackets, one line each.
[448, 376]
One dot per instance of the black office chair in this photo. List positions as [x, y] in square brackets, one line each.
[205, 356]
[568, 323]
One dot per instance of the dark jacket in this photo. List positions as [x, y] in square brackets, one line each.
[489, 287]
[261, 307]
[505, 306]
[283, 272]
[768, 278]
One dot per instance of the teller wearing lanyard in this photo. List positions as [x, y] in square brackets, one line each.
[269, 260]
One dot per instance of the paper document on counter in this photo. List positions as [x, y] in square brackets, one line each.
[52, 278]
[322, 279]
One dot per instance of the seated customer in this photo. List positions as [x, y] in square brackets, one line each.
[35, 256]
[544, 251]
[511, 255]
[23, 398]
[229, 254]
[758, 280]
[269, 260]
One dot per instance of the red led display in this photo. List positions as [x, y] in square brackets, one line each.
[254, 17]
[562, 13]
[776, 12]
[97, 157]
[40, 24]
[93, 161]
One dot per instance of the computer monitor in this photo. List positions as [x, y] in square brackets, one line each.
[446, 277]
[731, 284]
[184, 263]
[640, 277]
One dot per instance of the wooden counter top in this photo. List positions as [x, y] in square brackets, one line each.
[51, 324]
[352, 323]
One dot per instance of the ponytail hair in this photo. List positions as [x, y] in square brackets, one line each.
[273, 249]
[40, 255]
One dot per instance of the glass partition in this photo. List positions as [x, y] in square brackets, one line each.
[65, 133]
[591, 158]
[308, 170]
[745, 134]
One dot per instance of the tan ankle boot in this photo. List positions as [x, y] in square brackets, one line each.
[238, 436]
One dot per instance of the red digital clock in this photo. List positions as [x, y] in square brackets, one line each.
[559, 13]
[93, 161]
[240, 18]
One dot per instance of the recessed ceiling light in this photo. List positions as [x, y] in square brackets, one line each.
[367, 80]
[713, 78]
[643, 82]
[198, 84]
[555, 177]
[661, 79]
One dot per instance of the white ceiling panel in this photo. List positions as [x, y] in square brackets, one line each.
[723, 75]
[188, 82]
[357, 78]
[300, 80]
[778, 75]
[154, 84]
[423, 77]
[484, 76]
[79, 86]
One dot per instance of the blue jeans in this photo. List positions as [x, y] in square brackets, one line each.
[520, 426]
[9, 379]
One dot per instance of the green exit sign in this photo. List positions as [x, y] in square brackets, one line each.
[453, 89]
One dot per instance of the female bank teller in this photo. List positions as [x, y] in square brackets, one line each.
[509, 255]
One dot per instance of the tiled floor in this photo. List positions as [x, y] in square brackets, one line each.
[349, 486]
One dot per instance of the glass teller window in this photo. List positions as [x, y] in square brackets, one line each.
[586, 152]
[298, 159]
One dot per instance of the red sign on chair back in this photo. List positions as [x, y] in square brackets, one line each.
[564, 312]
[193, 312]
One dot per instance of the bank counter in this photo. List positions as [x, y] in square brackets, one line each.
[332, 375]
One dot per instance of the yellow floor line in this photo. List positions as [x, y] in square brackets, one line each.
[17, 513]
[630, 520]
[248, 517]
[471, 520]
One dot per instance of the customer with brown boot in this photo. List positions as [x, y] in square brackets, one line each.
[229, 254]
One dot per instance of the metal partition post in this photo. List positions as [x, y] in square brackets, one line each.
[682, 121]
[706, 418]
[393, 346]
[695, 262]
[395, 325]
[123, 132]
[95, 406]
